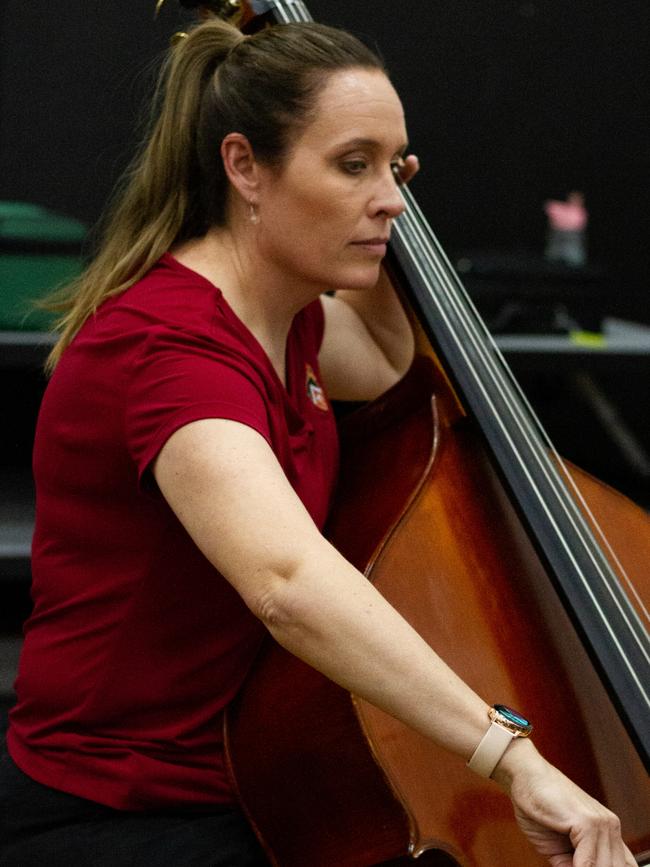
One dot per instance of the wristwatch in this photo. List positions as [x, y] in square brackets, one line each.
[505, 725]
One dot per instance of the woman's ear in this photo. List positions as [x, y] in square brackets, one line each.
[240, 165]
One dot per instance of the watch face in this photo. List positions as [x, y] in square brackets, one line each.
[512, 715]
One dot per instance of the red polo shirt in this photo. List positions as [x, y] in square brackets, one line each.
[136, 643]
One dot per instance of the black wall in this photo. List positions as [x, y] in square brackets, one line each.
[508, 103]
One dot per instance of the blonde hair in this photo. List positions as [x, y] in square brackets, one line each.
[214, 81]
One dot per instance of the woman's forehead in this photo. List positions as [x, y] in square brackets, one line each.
[357, 103]
[356, 87]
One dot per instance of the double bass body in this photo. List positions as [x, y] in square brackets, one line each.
[423, 513]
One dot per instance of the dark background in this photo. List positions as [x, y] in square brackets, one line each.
[508, 103]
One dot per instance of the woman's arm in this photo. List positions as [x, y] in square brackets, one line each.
[227, 488]
[367, 344]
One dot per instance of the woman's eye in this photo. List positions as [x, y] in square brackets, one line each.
[354, 167]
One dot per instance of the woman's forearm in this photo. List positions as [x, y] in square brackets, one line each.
[329, 615]
[228, 490]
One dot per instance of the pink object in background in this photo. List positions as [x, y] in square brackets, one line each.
[567, 224]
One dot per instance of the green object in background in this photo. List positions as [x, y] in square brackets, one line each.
[39, 251]
[593, 339]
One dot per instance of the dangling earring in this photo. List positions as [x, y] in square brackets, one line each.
[253, 216]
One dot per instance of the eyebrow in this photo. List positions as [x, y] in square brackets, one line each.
[370, 142]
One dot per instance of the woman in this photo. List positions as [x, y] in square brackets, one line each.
[184, 460]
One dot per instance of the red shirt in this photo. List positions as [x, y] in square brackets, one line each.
[136, 643]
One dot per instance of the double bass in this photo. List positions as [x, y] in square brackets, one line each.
[527, 575]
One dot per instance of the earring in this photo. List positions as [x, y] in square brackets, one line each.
[253, 216]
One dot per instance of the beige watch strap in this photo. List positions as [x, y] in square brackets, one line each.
[491, 748]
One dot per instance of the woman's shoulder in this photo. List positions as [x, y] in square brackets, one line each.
[169, 293]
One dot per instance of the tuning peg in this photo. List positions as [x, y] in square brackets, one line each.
[222, 8]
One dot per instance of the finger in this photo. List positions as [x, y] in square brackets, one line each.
[620, 852]
[593, 850]
[408, 167]
[605, 849]
[629, 859]
[564, 860]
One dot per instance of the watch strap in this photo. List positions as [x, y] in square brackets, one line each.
[491, 748]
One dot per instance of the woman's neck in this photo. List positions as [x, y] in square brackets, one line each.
[265, 305]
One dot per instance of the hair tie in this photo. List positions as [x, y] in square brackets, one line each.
[175, 38]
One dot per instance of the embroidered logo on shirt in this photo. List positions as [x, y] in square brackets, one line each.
[315, 392]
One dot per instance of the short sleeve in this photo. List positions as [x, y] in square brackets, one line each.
[177, 378]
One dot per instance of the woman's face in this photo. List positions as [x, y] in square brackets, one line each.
[325, 216]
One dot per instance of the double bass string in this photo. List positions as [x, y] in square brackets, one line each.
[291, 11]
[482, 345]
[471, 338]
[529, 418]
[494, 364]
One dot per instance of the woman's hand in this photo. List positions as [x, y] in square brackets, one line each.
[408, 168]
[563, 822]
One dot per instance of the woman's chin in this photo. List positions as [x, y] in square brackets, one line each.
[360, 278]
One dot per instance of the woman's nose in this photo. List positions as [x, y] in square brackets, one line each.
[388, 199]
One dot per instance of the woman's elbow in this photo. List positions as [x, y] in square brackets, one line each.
[283, 606]
[270, 598]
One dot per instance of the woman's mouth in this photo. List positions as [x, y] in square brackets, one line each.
[373, 245]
